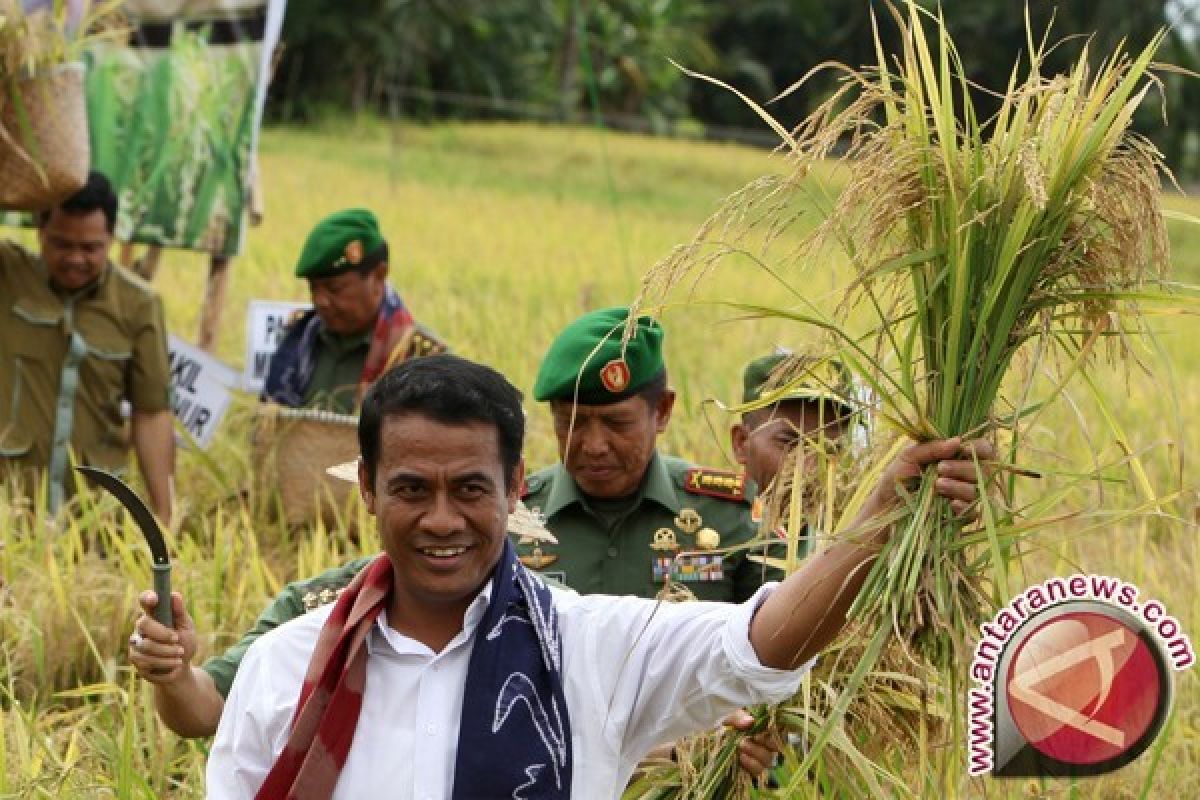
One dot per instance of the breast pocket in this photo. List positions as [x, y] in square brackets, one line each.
[103, 379]
[27, 405]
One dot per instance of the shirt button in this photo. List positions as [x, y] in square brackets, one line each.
[613, 552]
[431, 729]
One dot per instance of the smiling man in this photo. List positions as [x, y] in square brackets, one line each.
[358, 326]
[448, 670]
[627, 517]
[83, 355]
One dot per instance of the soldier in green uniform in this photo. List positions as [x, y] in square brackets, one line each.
[628, 518]
[358, 327]
[803, 402]
[80, 338]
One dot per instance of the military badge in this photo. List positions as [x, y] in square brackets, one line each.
[664, 539]
[689, 520]
[615, 375]
[354, 252]
[708, 539]
[538, 559]
[689, 569]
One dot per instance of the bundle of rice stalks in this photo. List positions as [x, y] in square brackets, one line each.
[970, 238]
[973, 241]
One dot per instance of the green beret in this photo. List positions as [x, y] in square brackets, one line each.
[343, 241]
[589, 363]
[798, 378]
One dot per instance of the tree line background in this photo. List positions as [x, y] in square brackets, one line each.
[608, 59]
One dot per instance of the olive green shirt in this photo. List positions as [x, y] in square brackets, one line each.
[337, 369]
[69, 361]
[297, 598]
[660, 534]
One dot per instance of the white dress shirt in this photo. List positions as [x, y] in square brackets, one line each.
[636, 673]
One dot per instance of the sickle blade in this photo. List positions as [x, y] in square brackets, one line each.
[134, 505]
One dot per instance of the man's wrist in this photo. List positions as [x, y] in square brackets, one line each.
[182, 686]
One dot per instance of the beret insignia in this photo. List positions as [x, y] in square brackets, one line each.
[354, 252]
[615, 375]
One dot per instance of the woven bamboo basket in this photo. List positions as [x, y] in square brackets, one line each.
[293, 448]
[44, 152]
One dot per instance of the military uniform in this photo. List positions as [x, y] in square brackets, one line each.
[316, 368]
[68, 362]
[338, 361]
[681, 517]
[297, 598]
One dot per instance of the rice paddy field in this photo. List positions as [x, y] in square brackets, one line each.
[500, 234]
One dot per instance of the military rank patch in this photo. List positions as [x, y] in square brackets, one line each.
[689, 569]
[314, 600]
[424, 345]
[715, 483]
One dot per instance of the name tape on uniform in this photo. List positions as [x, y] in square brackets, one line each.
[265, 321]
[200, 388]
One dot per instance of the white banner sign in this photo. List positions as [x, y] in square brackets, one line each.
[200, 386]
[265, 321]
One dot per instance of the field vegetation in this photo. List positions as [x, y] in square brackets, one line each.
[500, 235]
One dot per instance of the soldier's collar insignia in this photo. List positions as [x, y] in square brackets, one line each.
[718, 483]
[615, 375]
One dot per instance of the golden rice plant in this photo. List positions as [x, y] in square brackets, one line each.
[981, 248]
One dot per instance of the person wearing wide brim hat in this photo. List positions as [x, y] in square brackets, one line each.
[629, 519]
[358, 326]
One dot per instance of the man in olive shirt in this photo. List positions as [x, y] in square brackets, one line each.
[358, 326]
[80, 337]
[627, 517]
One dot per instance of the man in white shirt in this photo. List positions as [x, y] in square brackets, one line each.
[446, 670]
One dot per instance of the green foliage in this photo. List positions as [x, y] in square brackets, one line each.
[565, 58]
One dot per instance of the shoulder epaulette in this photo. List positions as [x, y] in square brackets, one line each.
[719, 483]
[313, 600]
[425, 344]
[532, 484]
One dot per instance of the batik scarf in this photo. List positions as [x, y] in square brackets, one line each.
[514, 736]
[293, 363]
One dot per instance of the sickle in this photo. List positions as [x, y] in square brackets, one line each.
[154, 538]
